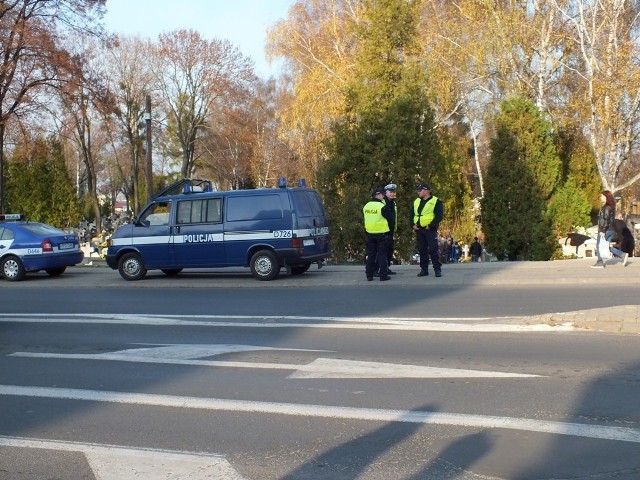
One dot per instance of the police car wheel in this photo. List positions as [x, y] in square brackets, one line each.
[131, 267]
[12, 269]
[264, 265]
[54, 272]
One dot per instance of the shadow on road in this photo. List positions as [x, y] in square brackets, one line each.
[351, 459]
[610, 398]
[457, 458]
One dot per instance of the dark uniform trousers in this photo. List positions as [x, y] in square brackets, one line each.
[377, 247]
[428, 248]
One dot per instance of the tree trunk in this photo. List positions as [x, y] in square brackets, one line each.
[1, 167]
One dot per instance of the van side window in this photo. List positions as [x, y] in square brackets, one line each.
[205, 210]
[254, 207]
[307, 203]
[157, 214]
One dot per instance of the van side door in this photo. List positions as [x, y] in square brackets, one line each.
[198, 232]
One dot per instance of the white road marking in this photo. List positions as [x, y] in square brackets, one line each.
[338, 368]
[111, 462]
[323, 411]
[319, 368]
[261, 321]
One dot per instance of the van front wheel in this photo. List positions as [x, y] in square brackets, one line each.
[131, 266]
[264, 265]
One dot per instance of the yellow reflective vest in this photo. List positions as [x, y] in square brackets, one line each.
[424, 218]
[374, 222]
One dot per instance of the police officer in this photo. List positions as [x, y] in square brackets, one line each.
[376, 223]
[390, 200]
[426, 214]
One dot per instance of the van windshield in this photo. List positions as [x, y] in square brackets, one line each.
[157, 214]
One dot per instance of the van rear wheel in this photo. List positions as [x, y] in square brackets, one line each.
[131, 266]
[264, 265]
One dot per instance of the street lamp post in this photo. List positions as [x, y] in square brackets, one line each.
[149, 163]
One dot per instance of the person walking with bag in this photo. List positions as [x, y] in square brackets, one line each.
[377, 215]
[426, 214]
[606, 215]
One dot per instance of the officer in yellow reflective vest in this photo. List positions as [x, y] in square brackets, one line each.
[376, 223]
[426, 214]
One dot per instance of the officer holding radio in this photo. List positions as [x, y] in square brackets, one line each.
[377, 215]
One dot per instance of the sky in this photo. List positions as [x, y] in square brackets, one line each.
[242, 22]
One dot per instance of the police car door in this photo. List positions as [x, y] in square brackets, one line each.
[152, 235]
[6, 239]
[198, 233]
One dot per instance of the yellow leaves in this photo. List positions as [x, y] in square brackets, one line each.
[317, 41]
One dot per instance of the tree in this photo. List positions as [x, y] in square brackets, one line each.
[85, 103]
[387, 133]
[242, 148]
[606, 75]
[39, 184]
[31, 53]
[522, 176]
[318, 41]
[195, 78]
[579, 196]
[480, 52]
[130, 81]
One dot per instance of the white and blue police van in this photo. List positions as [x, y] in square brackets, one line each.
[188, 225]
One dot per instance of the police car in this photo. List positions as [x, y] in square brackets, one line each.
[33, 246]
[191, 226]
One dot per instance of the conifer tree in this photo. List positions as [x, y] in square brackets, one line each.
[39, 185]
[522, 176]
[388, 133]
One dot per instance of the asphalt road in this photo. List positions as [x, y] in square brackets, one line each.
[215, 375]
[465, 291]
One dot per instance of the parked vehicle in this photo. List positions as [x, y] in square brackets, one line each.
[33, 246]
[190, 226]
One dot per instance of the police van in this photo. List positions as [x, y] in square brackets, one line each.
[189, 225]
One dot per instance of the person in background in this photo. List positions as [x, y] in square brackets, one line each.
[475, 250]
[390, 199]
[448, 250]
[605, 221]
[426, 214]
[376, 223]
[456, 252]
[622, 242]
